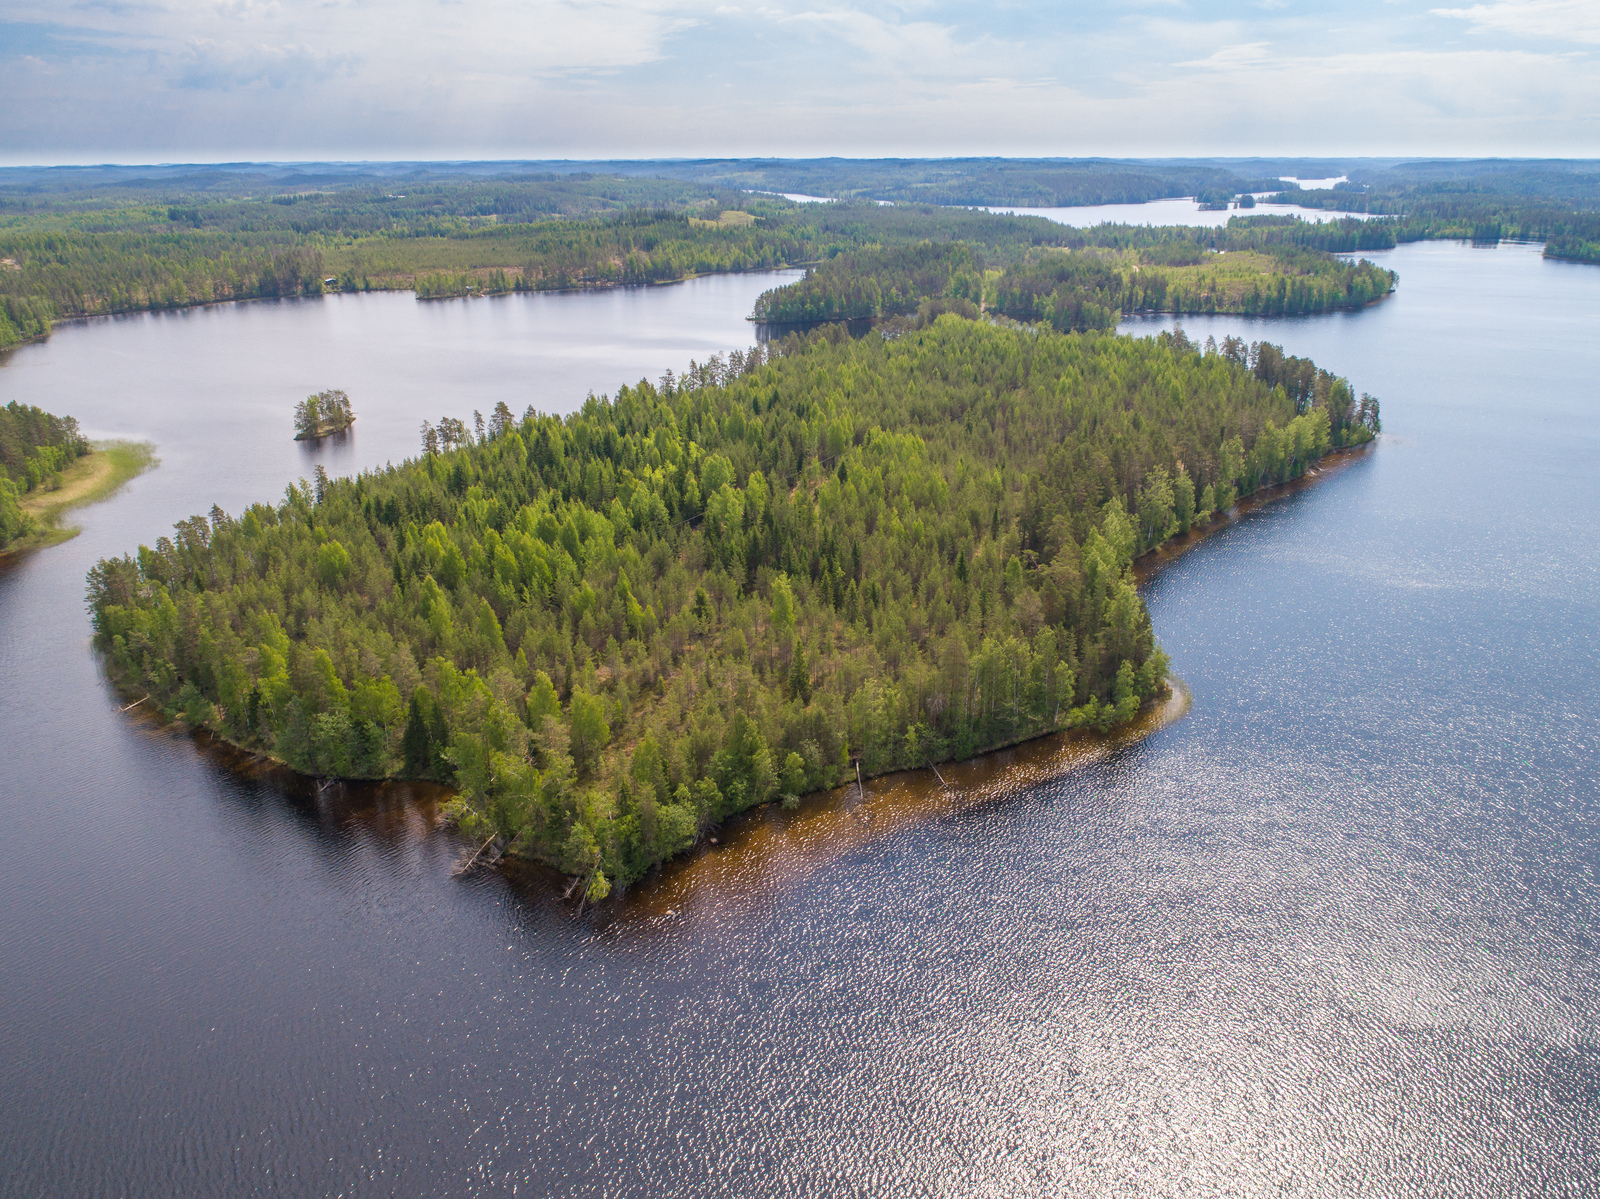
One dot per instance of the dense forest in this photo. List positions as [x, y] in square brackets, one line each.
[165, 260]
[613, 630]
[1556, 202]
[92, 252]
[35, 447]
[84, 241]
[1077, 290]
[1039, 183]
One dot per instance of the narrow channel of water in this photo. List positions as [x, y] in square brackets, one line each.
[1333, 932]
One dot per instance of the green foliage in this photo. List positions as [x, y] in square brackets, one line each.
[321, 414]
[35, 447]
[878, 282]
[22, 318]
[613, 630]
[1486, 201]
[14, 522]
[1115, 271]
[1087, 291]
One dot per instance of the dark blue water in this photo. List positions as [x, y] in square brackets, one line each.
[1333, 932]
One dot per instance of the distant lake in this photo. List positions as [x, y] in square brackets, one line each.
[1182, 211]
[1333, 932]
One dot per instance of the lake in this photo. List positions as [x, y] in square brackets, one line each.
[1181, 210]
[1332, 932]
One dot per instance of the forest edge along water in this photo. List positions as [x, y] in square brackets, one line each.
[828, 823]
[1329, 932]
[510, 777]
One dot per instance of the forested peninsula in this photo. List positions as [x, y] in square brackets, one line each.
[611, 631]
[36, 447]
[1080, 289]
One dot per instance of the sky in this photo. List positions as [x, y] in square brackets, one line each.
[231, 80]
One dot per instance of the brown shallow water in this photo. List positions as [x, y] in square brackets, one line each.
[769, 846]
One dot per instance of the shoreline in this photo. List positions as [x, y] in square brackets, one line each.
[1040, 756]
[1152, 562]
[154, 309]
[325, 431]
[1028, 761]
[96, 476]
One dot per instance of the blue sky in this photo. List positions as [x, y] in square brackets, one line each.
[205, 80]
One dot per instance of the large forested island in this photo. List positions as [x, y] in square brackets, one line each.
[611, 631]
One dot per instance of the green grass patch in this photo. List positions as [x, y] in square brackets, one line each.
[96, 476]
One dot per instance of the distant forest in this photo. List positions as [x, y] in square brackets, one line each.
[86, 241]
[81, 260]
[1078, 290]
[1556, 202]
[611, 631]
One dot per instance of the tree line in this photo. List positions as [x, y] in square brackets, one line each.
[70, 256]
[613, 630]
[1078, 289]
[35, 447]
[1486, 201]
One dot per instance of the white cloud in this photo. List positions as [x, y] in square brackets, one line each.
[1555, 20]
[419, 78]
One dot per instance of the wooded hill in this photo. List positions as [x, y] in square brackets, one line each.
[613, 630]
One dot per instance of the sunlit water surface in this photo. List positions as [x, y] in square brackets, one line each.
[1331, 932]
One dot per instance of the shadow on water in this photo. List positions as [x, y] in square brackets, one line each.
[742, 863]
[394, 811]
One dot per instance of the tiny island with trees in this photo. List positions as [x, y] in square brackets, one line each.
[611, 631]
[322, 414]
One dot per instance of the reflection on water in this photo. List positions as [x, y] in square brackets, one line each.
[762, 849]
[1333, 932]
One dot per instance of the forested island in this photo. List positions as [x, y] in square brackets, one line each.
[1080, 289]
[322, 414]
[611, 631]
